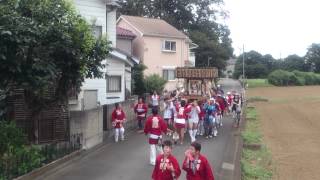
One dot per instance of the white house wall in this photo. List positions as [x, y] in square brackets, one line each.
[111, 27]
[116, 68]
[93, 11]
[128, 78]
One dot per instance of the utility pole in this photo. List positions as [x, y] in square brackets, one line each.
[243, 74]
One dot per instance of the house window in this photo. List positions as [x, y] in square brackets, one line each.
[113, 83]
[169, 74]
[97, 31]
[169, 46]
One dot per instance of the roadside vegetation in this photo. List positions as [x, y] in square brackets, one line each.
[253, 83]
[294, 78]
[256, 161]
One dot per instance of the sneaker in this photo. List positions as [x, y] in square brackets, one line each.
[210, 136]
[221, 124]
[152, 163]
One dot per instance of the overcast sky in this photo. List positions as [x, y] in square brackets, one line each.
[276, 27]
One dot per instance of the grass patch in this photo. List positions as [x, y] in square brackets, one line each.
[253, 83]
[257, 99]
[255, 164]
[251, 113]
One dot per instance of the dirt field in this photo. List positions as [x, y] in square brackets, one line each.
[290, 123]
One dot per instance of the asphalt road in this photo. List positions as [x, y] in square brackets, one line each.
[128, 160]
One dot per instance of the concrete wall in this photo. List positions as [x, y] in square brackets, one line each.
[88, 124]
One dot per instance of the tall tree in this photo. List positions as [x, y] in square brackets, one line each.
[253, 64]
[313, 57]
[46, 44]
[294, 62]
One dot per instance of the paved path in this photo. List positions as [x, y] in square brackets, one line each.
[128, 160]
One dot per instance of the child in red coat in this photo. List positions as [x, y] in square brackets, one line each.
[154, 127]
[118, 118]
[141, 110]
[167, 166]
[196, 165]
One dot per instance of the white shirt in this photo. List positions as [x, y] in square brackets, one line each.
[194, 114]
[168, 110]
[155, 100]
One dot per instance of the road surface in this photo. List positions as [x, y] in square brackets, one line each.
[129, 160]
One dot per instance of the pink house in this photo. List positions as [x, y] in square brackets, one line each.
[160, 46]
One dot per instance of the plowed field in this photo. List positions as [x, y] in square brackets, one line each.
[290, 123]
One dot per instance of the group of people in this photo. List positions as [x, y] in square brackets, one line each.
[179, 116]
[195, 164]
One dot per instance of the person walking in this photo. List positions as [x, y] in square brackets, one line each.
[210, 109]
[155, 99]
[168, 112]
[180, 119]
[155, 127]
[196, 165]
[141, 110]
[193, 120]
[167, 166]
[118, 118]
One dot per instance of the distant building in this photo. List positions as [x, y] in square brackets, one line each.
[160, 46]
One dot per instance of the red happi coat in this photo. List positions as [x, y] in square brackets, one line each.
[160, 171]
[181, 113]
[155, 126]
[220, 101]
[203, 172]
[117, 118]
[141, 109]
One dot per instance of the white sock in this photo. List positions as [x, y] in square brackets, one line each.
[195, 133]
[191, 135]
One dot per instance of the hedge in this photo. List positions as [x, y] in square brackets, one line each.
[294, 78]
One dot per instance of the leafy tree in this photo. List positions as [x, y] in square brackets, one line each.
[138, 84]
[154, 83]
[294, 62]
[313, 58]
[45, 45]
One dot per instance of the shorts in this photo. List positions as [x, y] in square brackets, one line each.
[194, 121]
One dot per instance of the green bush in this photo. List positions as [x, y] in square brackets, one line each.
[294, 78]
[154, 83]
[16, 157]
